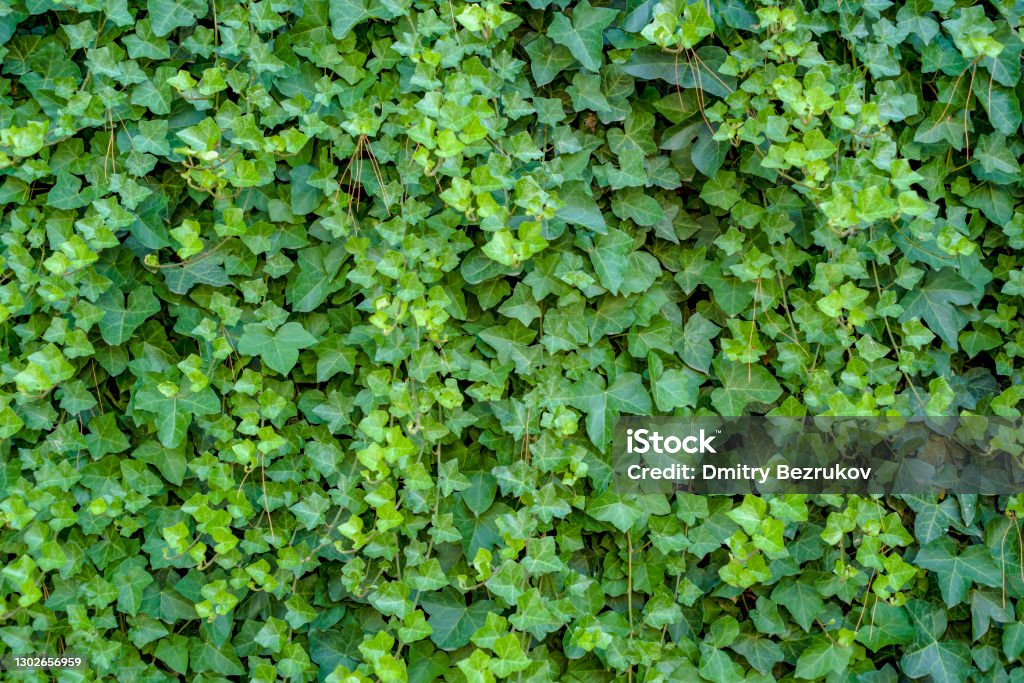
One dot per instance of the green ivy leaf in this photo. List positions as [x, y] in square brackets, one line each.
[741, 384]
[610, 257]
[279, 349]
[936, 304]
[122, 316]
[173, 414]
[821, 659]
[955, 572]
[167, 15]
[452, 620]
[583, 34]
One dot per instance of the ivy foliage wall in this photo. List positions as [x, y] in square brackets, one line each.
[316, 316]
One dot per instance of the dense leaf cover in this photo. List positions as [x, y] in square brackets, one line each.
[317, 314]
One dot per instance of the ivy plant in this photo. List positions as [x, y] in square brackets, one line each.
[317, 315]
